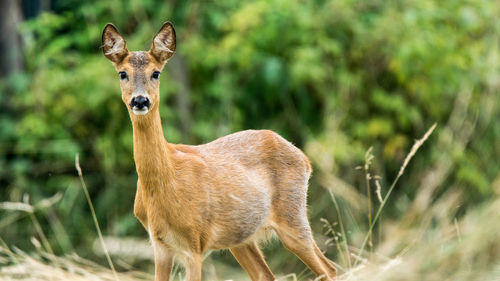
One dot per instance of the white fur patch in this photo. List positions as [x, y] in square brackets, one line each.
[235, 198]
[163, 46]
[142, 111]
[117, 47]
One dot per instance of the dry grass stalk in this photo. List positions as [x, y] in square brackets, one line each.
[87, 195]
[418, 143]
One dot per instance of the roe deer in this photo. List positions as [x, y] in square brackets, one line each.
[228, 193]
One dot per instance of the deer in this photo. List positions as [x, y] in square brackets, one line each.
[232, 193]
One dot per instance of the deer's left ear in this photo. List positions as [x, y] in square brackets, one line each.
[164, 43]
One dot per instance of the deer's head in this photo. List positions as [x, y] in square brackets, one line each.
[139, 72]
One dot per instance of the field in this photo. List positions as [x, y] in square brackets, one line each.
[426, 243]
[395, 103]
[434, 247]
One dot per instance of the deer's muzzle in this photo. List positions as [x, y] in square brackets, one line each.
[140, 105]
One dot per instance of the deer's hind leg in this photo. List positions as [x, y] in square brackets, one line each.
[299, 241]
[251, 259]
[292, 227]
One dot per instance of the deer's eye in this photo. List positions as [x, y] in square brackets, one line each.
[155, 75]
[123, 75]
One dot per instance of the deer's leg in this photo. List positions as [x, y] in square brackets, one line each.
[164, 260]
[139, 209]
[292, 226]
[251, 259]
[300, 242]
[326, 262]
[193, 267]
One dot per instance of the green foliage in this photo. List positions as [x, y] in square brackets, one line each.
[342, 75]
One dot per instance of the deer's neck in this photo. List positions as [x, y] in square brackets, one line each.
[151, 151]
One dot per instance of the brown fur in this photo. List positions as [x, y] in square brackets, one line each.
[228, 193]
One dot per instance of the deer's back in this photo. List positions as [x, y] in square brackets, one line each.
[252, 148]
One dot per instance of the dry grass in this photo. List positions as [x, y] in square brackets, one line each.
[428, 245]
[468, 249]
[18, 265]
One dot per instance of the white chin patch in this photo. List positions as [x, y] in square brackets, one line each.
[142, 111]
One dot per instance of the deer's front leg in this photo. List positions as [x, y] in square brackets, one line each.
[139, 208]
[164, 260]
[193, 267]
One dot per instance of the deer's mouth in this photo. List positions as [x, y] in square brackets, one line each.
[142, 111]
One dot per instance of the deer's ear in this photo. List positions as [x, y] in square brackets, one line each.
[113, 44]
[164, 43]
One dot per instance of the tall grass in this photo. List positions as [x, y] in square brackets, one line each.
[41, 265]
[414, 149]
[463, 249]
[439, 245]
[94, 217]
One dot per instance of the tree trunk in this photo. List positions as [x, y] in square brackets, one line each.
[180, 73]
[10, 41]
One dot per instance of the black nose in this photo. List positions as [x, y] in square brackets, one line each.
[139, 102]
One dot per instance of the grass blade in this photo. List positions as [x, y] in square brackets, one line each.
[87, 195]
[418, 143]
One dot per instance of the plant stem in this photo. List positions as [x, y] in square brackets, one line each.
[87, 195]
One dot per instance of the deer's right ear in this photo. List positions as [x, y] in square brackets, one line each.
[113, 44]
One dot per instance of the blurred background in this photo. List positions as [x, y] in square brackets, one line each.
[353, 83]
